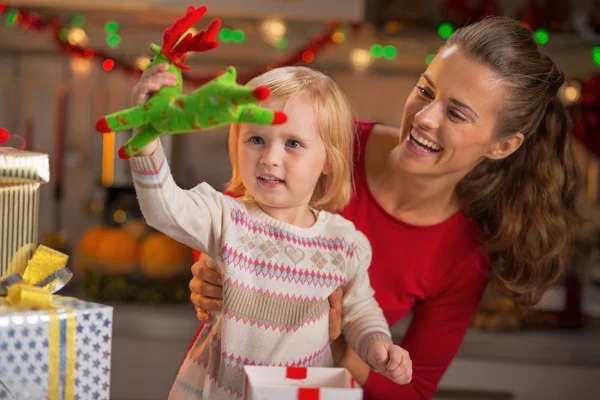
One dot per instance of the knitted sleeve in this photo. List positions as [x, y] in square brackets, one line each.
[193, 217]
[363, 322]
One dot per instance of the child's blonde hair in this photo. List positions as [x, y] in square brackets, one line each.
[334, 120]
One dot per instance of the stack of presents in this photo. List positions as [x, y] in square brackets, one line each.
[51, 346]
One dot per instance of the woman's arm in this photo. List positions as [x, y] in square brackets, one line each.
[435, 333]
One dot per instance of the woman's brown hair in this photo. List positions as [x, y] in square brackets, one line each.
[524, 203]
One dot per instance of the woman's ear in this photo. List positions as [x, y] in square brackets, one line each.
[505, 147]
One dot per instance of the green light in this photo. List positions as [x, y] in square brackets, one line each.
[281, 43]
[445, 30]
[429, 58]
[111, 27]
[238, 36]
[63, 34]
[376, 51]
[389, 52]
[542, 36]
[113, 40]
[11, 18]
[78, 21]
[596, 55]
[225, 35]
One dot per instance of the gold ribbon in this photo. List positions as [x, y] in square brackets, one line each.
[45, 274]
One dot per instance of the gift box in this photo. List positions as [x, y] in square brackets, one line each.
[276, 383]
[51, 347]
[21, 173]
[60, 353]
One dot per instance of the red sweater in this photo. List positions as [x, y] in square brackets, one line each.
[436, 269]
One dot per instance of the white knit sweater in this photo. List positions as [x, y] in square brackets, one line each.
[276, 280]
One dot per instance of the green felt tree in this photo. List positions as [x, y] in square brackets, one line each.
[168, 111]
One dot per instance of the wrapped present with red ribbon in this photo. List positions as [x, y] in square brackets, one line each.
[300, 383]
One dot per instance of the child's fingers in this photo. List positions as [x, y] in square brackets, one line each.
[399, 366]
[143, 90]
[401, 376]
[378, 356]
[155, 69]
[396, 354]
[253, 114]
[406, 361]
[163, 78]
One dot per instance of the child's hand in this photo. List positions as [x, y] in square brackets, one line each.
[390, 360]
[152, 80]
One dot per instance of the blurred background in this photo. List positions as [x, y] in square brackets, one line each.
[65, 63]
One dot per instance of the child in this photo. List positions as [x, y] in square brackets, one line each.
[280, 248]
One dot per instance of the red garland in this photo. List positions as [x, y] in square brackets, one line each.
[34, 22]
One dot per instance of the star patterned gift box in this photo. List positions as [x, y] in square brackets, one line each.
[63, 353]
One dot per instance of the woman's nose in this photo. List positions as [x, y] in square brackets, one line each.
[429, 117]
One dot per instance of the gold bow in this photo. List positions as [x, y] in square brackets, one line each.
[45, 274]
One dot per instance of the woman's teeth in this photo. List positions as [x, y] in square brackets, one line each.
[423, 143]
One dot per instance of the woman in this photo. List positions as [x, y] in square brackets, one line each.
[478, 185]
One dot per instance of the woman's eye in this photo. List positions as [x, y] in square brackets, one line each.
[456, 115]
[293, 144]
[424, 92]
[256, 140]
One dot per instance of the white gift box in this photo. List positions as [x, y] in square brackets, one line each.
[298, 383]
[30, 340]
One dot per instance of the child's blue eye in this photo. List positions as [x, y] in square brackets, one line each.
[293, 144]
[256, 140]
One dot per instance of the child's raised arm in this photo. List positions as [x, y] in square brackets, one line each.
[193, 217]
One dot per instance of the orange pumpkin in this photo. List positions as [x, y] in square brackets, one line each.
[118, 251]
[163, 257]
[88, 245]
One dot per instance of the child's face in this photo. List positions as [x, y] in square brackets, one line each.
[280, 165]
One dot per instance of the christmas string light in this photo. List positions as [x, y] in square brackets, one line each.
[34, 22]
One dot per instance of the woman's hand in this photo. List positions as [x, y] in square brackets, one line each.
[207, 289]
[335, 314]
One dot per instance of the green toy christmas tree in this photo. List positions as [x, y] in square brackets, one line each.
[168, 111]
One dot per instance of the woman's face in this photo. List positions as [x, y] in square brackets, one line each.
[449, 118]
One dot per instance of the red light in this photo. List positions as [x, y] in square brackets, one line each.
[2, 7]
[108, 65]
[89, 53]
[308, 56]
